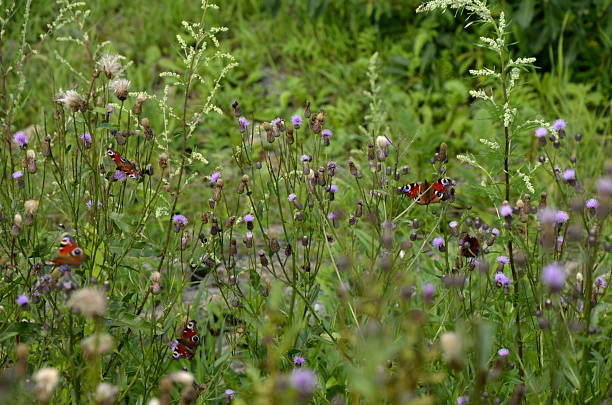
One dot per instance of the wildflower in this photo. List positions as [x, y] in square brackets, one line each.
[119, 175]
[569, 175]
[541, 133]
[298, 361]
[214, 177]
[505, 210]
[72, 100]
[292, 197]
[503, 352]
[31, 160]
[333, 188]
[89, 301]
[451, 347]
[553, 276]
[305, 158]
[235, 107]
[97, 344]
[120, 88]
[89, 204]
[326, 133]
[592, 204]
[86, 137]
[453, 224]
[604, 185]
[20, 139]
[600, 284]
[179, 222]
[495, 231]
[383, 144]
[244, 123]
[304, 381]
[30, 207]
[429, 290]
[105, 394]
[561, 217]
[463, 400]
[23, 301]
[502, 280]
[502, 260]
[296, 120]
[181, 377]
[438, 242]
[45, 381]
[249, 218]
[558, 125]
[109, 65]
[229, 394]
[18, 175]
[109, 110]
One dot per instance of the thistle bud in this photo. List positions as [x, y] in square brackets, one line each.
[262, 258]
[146, 127]
[162, 160]
[442, 156]
[307, 110]
[274, 245]
[218, 188]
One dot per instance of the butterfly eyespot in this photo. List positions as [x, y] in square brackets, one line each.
[176, 354]
[65, 240]
[195, 339]
[191, 325]
[439, 194]
[132, 176]
[110, 152]
[77, 252]
[123, 159]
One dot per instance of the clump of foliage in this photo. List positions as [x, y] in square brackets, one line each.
[303, 262]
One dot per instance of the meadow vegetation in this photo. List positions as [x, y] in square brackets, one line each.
[327, 202]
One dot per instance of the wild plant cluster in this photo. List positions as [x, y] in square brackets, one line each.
[136, 271]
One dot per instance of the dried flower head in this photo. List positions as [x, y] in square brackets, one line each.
[71, 100]
[451, 347]
[45, 381]
[30, 207]
[106, 394]
[109, 64]
[120, 88]
[89, 301]
[97, 344]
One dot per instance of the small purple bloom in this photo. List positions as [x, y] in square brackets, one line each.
[326, 132]
[249, 235]
[429, 290]
[21, 139]
[229, 394]
[119, 175]
[331, 216]
[22, 300]
[90, 204]
[553, 276]
[296, 120]
[179, 219]
[541, 132]
[305, 158]
[86, 137]
[292, 197]
[214, 177]
[244, 123]
[503, 260]
[569, 174]
[437, 242]
[453, 224]
[333, 188]
[502, 280]
[600, 282]
[18, 174]
[561, 217]
[249, 218]
[303, 380]
[109, 109]
[505, 210]
[495, 231]
[558, 125]
[547, 215]
[298, 361]
[592, 203]
[604, 185]
[503, 352]
[463, 400]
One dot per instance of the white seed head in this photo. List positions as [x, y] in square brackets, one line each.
[17, 220]
[89, 301]
[155, 277]
[120, 88]
[181, 377]
[30, 154]
[451, 346]
[71, 100]
[31, 206]
[109, 64]
[97, 344]
[154, 401]
[106, 394]
[383, 142]
[45, 381]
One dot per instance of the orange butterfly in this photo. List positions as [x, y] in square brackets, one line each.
[124, 165]
[428, 193]
[69, 254]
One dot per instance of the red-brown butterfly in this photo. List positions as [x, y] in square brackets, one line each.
[124, 165]
[185, 346]
[428, 193]
[69, 254]
[469, 246]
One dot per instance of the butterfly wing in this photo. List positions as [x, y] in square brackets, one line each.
[123, 164]
[69, 253]
[181, 351]
[411, 190]
[190, 336]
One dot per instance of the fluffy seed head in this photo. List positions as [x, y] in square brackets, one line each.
[31, 206]
[120, 88]
[45, 381]
[97, 344]
[89, 301]
[106, 394]
[71, 100]
[109, 64]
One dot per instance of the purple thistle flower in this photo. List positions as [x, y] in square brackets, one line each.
[604, 185]
[437, 242]
[503, 352]
[333, 188]
[90, 204]
[249, 218]
[502, 280]
[547, 215]
[296, 120]
[23, 300]
[553, 276]
[569, 174]
[249, 235]
[180, 220]
[298, 361]
[600, 282]
[505, 210]
[541, 132]
[109, 109]
[292, 197]
[303, 380]
[592, 203]
[503, 260]
[214, 177]
[326, 132]
[21, 139]
[331, 216]
[495, 231]
[453, 224]
[558, 125]
[429, 290]
[86, 137]
[561, 217]
[229, 394]
[305, 158]
[244, 123]
[119, 175]
[18, 174]
[463, 400]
